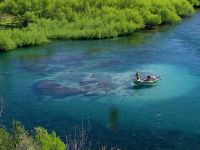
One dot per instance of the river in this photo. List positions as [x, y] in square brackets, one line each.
[58, 85]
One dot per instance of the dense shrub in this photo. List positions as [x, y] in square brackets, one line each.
[152, 19]
[12, 38]
[37, 21]
[4, 139]
[48, 141]
[6, 41]
[195, 3]
[20, 139]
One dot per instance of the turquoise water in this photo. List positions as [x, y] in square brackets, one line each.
[58, 85]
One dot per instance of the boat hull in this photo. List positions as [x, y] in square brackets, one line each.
[146, 82]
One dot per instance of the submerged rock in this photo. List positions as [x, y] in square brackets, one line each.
[34, 68]
[87, 82]
[45, 86]
[51, 69]
[51, 88]
[100, 88]
[110, 63]
[87, 87]
[106, 86]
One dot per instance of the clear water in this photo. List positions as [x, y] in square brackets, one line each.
[58, 85]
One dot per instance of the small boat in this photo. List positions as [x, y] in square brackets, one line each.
[146, 81]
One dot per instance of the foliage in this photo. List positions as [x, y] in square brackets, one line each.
[6, 42]
[12, 38]
[195, 3]
[37, 21]
[19, 139]
[4, 139]
[48, 141]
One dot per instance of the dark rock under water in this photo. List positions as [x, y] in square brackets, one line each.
[87, 88]
[51, 88]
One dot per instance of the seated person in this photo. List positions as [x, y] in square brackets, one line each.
[148, 77]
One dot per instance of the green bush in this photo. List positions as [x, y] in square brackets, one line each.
[48, 141]
[4, 139]
[6, 42]
[17, 139]
[195, 3]
[152, 19]
[20, 139]
[10, 39]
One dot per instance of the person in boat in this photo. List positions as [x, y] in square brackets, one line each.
[137, 76]
[148, 77]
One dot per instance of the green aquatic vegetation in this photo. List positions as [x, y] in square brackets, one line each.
[34, 22]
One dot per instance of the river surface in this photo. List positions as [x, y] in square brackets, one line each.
[57, 86]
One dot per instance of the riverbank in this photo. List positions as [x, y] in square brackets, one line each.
[30, 23]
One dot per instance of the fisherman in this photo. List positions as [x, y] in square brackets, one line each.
[137, 76]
